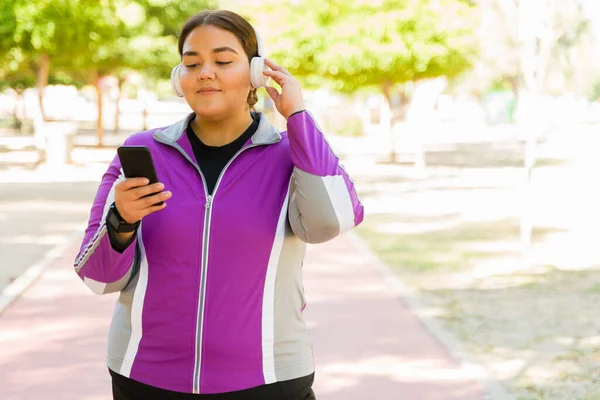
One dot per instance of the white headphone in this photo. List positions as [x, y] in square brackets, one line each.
[257, 66]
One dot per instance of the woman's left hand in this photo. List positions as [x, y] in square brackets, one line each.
[290, 100]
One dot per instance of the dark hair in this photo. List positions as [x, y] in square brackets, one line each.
[231, 22]
[227, 20]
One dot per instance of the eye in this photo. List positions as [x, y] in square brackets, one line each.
[191, 66]
[223, 62]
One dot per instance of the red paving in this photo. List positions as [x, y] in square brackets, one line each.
[367, 342]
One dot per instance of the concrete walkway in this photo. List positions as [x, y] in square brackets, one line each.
[367, 342]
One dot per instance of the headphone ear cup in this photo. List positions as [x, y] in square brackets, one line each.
[257, 78]
[175, 82]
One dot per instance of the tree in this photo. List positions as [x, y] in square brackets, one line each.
[569, 54]
[498, 35]
[545, 35]
[546, 47]
[8, 23]
[146, 41]
[574, 59]
[354, 44]
[16, 72]
[57, 31]
[12, 73]
[165, 17]
[88, 41]
[116, 58]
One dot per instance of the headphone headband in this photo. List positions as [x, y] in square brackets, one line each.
[261, 49]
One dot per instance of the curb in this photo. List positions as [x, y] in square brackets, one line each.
[493, 390]
[13, 291]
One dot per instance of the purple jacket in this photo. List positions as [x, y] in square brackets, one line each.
[211, 294]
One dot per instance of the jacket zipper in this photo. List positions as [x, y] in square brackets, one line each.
[200, 315]
[204, 258]
[204, 250]
[205, 245]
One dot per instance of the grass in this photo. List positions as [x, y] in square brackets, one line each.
[502, 316]
[456, 246]
[7, 122]
[455, 238]
[478, 155]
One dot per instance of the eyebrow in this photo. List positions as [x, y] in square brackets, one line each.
[217, 50]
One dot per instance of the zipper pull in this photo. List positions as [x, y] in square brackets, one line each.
[208, 201]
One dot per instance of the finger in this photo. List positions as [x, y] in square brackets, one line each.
[154, 209]
[157, 208]
[272, 92]
[147, 211]
[140, 192]
[131, 183]
[148, 202]
[273, 65]
[278, 77]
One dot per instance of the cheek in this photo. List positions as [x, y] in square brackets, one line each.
[187, 80]
[238, 77]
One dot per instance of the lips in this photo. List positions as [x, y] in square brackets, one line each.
[207, 90]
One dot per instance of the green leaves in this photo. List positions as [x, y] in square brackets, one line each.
[86, 39]
[169, 15]
[357, 43]
[349, 44]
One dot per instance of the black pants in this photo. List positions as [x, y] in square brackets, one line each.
[296, 389]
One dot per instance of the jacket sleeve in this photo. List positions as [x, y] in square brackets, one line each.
[323, 200]
[98, 264]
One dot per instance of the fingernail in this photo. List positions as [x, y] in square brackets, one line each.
[161, 186]
[146, 181]
[168, 194]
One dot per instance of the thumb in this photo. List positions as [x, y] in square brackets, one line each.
[272, 92]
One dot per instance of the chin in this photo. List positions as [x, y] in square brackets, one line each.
[213, 113]
[209, 113]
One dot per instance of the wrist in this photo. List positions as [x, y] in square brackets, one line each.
[296, 112]
[118, 223]
[124, 237]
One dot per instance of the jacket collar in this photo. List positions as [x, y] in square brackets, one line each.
[266, 133]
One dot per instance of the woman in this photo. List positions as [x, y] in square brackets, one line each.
[210, 282]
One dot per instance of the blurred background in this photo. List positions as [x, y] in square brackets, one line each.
[470, 128]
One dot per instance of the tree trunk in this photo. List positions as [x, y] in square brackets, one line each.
[99, 125]
[405, 99]
[536, 50]
[145, 116]
[386, 119]
[515, 85]
[42, 81]
[18, 110]
[419, 117]
[117, 109]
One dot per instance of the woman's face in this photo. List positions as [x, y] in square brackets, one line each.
[215, 73]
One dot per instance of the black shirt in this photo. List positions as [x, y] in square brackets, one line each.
[212, 159]
[296, 389]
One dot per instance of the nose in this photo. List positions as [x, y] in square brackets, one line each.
[206, 73]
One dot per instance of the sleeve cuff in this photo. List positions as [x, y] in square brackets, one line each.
[117, 245]
[297, 112]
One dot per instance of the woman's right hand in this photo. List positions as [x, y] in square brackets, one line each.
[129, 201]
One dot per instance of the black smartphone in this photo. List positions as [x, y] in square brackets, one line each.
[137, 163]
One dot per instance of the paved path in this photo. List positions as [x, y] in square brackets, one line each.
[367, 343]
[36, 217]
